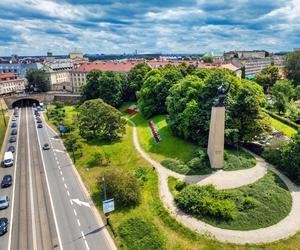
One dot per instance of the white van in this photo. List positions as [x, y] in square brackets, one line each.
[8, 159]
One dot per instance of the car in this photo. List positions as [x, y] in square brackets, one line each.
[16, 114]
[12, 139]
[46, 146]
[37, 115]
[14, 119]
[13, 125]
[4, 202]
[3, 225]
[40, 125]
[13, 132]
[39, 121]
[6, 181]
[11, 148]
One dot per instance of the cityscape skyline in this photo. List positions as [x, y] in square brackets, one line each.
[114, 27]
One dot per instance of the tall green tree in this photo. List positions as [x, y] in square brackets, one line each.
[285, 87]
[106, 85]
[37, 78]
[267, 77]
[134, 81]
[97, 119]
[292, 67]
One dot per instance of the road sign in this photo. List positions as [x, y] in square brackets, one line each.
[108, 206]
[61, 128]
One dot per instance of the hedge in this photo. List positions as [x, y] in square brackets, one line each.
[282, 119]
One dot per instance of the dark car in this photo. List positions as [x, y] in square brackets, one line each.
[12, 139]
[13, 132]
[6, 181]
[3, 225]
[11, 149]
[14, 125]
[40, 125]
[46, 146]
[16, 114]
[39, 121]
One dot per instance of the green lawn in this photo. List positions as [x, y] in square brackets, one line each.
[175, 235]
[261, 204]
[2, 130]
[287, 130]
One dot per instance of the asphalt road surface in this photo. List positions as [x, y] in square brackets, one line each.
[49, 208]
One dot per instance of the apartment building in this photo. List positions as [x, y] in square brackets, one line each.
[10, 83]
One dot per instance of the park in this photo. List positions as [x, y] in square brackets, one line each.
[152, 150]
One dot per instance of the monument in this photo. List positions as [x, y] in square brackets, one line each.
[215, 149]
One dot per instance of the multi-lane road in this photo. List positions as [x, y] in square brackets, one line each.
[49, 206]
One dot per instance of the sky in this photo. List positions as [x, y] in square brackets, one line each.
[33, 27]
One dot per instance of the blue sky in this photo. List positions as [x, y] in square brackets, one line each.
[33, 27]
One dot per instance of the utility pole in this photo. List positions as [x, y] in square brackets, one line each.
[74, 159]
[104, 190]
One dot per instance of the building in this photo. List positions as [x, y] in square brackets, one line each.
[77, 58]
[20, 69]
[10, 83]
[217, 56]
[58, 73]
[245, 54]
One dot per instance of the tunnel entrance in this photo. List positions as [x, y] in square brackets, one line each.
[26, 102]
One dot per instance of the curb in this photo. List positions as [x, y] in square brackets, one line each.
[4, 144]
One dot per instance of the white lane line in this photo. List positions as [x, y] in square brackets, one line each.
[78, 222]
[60, 173]
[59, 168]
[75, 212]
[71, 202]
[30, 185]
[68, 193]
[57, 162]
[50, 195]
[86, 244]
[66, 186]
[63, 178]
[14, 181]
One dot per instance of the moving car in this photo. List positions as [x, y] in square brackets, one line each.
[14, 125]
[12, 139]
[46, 146]
[3, 225]
[4, 202]
[8, 159]
[11, 149]
[40, 125]
[6, 181]
[13, 132]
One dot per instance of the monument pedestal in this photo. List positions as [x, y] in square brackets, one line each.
[215, 149]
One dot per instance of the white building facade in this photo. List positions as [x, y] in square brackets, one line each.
[10, 84]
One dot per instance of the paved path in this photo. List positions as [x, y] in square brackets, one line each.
[285, 228]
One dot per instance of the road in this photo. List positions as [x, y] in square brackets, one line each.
[49, 208]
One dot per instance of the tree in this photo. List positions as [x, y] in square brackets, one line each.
[134, 81]
[243, 75]
[281, 103]
[297, 92]
[106, 85]
[38, 79]
[123, 186]
[207, 59]
[285, 87]
[96, 119]
[292, 67]
[267, 77]
[155, 89]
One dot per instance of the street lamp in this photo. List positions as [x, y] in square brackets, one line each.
[105, 198]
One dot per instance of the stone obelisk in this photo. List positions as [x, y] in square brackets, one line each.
[215, 149]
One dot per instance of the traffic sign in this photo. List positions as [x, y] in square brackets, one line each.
[108, 206]
[61, 128]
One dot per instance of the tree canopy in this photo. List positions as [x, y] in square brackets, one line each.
[37, 78]
[106, 85]
[292, 67]
[97, 119]
[267, 77]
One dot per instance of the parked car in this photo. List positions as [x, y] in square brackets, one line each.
[13, 132]
[4, 202]
[12, 139]
[14, 119]
[46, 146]
[3, 225]
[40, 125]
[11, 148]
[39, 121]
[6, 181]
[8, 159]
[14, 125]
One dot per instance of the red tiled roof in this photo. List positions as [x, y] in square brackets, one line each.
[7, 75]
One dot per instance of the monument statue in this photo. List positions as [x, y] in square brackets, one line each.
[222, 93]
[215, 147]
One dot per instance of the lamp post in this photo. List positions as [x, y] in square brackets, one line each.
[105, 198]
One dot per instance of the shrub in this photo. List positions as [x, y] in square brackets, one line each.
[248, 203]
[141, 173]
[123, 186]
[59, 104]
[180, 185]
[272, 151]
[101, 158]
[139, 234]
[206, 201]
[175, 165]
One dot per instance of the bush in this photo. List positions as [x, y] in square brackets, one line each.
[272, 151]
[124, 187]
[206, 201]
[176, 166]
[248, 203]
[180, 185]
[59, 104]
[101, 158]
[141, 173]
[282, 119]
[139, 234]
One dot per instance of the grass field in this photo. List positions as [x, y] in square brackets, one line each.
[2, 129]
[287, 130]
[175, 235]
[261, 204]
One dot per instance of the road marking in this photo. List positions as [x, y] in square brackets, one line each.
[63, 178]
[59, 151]
[86, 244]
[68, 193]
[60, 172]
[14, 186]
[78, 222]
[81, 203]
[48, 187]
[74, 212]
[57, 162]
[71, 202]
[55, 157]
[66, 186]
[30, 186]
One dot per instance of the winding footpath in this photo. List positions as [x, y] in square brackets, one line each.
[225, 180]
